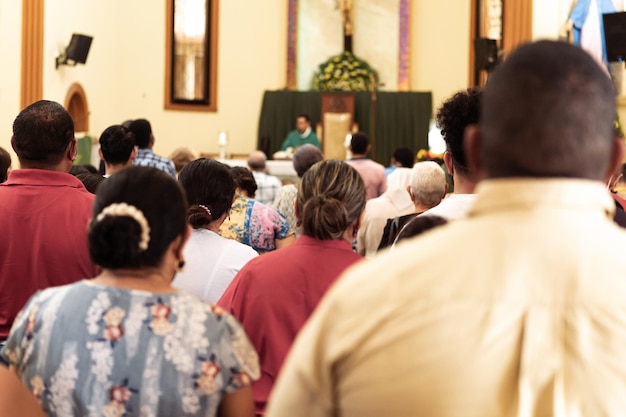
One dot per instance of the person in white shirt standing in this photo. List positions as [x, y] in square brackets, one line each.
[211, 260]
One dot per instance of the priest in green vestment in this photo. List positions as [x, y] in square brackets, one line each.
[302, 135]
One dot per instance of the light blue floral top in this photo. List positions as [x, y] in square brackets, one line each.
[89, 350]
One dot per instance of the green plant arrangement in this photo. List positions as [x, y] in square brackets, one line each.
[344, 72]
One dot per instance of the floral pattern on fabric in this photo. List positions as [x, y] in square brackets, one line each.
[255, 224]
[116, 353]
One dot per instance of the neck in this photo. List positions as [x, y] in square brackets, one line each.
[359, 155]
[113, 168]
[61, 167]
[214, 226]
[463, 185]
[420, 208]
[150, 279]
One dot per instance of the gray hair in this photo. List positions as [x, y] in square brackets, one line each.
[305, 157]
[256, 161]
[428, 183]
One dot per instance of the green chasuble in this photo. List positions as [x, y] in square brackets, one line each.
[294, 140]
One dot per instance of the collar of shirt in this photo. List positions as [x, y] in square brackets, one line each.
[42, 177]
[304, 240]
[144, 152]
[526, 194]
[306, 133]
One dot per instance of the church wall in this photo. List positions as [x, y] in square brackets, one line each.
[440, 41]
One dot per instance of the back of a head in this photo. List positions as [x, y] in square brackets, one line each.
[405, 157]
[256, 161]
[210, 189]
[330, 199]
[181, 157]
[5, 164]
[117, 144]
[428, 183]
[454, 115]
[142, 130]
[244, 180]
[359, 143]
[42, 132]
[548, 112]
[119, 238]
[305, 157]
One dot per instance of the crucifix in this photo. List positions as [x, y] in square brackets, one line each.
[345, 6]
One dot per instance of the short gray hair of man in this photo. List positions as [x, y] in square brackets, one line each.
[428, 183]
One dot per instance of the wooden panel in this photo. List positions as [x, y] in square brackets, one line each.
[212, 55]
[518, 24]
[337, 118]
[31, 89]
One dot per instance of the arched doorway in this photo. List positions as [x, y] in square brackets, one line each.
[76, 106]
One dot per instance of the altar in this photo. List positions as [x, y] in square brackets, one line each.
[401, 119]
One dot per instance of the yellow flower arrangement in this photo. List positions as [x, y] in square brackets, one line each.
[427, 155]
[344, 72]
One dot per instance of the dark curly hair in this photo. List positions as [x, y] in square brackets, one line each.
[454, 115]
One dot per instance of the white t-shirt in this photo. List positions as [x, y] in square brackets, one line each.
[455, 207]
[211, 263]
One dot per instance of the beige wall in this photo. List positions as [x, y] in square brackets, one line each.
[440, 32]
[124, 74]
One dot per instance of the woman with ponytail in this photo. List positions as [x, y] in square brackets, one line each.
[127, 343]
[212, 261]
[274, 294]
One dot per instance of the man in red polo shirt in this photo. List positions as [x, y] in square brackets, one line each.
[43, 211]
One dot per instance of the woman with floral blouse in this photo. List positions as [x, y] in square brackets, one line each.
[127, 343]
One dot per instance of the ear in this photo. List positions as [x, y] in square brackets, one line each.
[133, 155]
[408, 189]
[13, 144]
[448, 162]
[472, 146]
[445, 191]
[369, 147]
[179, 243]
[100, 153]
[72, 150]
[617, 156]
[296, 212]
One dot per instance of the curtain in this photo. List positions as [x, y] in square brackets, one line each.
[402, 119]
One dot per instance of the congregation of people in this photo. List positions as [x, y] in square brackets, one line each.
[182, 286]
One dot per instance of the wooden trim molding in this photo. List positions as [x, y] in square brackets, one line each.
[77, 106]
[169, 104]
[292, 44]
[517, 25]
[31, 88]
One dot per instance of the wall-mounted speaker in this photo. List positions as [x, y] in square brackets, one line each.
[76, 52]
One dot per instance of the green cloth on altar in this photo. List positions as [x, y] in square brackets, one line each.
[294, 140]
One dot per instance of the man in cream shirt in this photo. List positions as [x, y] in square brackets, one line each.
[518, 310]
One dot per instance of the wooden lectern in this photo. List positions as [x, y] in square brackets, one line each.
[337, 121]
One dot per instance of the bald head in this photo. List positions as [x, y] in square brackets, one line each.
[548, 111]
[256, 161]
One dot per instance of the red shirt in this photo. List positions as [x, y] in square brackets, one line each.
[274, 294]
[43, 238]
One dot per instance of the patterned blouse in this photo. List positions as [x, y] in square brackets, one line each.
[285, 204]
[255, 224]
[90, 350]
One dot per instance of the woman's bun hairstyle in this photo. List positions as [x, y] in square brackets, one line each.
[331, 198]
[210, 188]
[116, 238]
